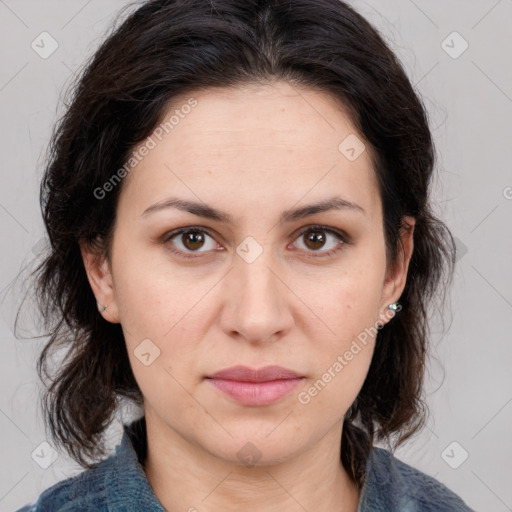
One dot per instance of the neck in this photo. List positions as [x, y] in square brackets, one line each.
[186, 477]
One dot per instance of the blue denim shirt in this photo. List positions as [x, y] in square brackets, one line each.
[119, 484]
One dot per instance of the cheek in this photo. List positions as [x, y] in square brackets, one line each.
[147, 296]
[159, 323]
[342, 357]
[349, 301]
[348, 306]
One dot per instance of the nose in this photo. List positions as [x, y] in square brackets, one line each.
[257, 301]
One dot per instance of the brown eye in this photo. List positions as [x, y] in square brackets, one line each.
[324, 241]
[186, 242]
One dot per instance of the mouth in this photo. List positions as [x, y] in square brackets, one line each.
[255, 387]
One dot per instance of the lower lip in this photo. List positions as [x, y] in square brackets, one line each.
[256, 393]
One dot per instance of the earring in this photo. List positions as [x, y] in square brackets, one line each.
[395, 306]
[102, 308]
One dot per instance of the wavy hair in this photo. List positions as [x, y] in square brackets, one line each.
[166, 48]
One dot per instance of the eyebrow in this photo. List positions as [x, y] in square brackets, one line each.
[293, 214]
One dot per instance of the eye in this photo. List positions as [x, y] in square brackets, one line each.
[319, 237]
[190, 240]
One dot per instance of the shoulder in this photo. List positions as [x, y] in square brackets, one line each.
[83, 492]
[393, 484]
[115, 483]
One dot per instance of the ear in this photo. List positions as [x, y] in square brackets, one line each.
[99, 274]
[396, 275]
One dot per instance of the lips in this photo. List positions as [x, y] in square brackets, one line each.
[255, 387]
[266, 374]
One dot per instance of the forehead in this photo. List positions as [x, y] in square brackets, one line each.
[254, 142]
[278, 113]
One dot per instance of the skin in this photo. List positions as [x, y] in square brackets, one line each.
[253, 152]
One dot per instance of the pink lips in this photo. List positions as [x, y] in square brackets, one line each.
[255, 387]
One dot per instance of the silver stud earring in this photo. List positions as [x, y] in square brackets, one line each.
[395, 306]
[102, 308]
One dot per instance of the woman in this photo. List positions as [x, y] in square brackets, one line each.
[242, 245]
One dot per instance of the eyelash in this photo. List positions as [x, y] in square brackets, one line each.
[196, 229]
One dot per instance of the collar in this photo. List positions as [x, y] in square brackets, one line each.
[128, 482]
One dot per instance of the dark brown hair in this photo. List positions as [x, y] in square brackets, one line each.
[166, 48]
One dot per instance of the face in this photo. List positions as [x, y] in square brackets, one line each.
[265, 282]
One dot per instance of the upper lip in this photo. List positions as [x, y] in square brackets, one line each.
[265, 374]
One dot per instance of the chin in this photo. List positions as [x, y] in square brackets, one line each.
[254, 451]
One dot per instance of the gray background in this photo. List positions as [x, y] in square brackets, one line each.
[469, 98]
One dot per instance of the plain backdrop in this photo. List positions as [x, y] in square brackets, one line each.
[458, 54]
